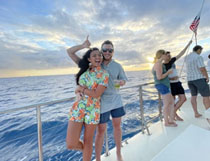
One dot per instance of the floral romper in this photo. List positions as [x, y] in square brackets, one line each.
[87, 110]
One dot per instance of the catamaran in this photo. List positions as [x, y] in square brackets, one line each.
[190, 141]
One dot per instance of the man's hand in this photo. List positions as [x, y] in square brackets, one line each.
[122, 82]
[79, 89]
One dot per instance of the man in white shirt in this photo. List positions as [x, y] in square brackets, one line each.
[198, 79]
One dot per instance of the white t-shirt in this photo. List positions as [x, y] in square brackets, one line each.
[193, 64]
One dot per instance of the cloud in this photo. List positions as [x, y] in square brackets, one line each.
[35, 36]
[31, 58]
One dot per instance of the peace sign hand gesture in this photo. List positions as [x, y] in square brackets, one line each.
[87, 43]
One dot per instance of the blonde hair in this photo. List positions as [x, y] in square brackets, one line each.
[158, 55]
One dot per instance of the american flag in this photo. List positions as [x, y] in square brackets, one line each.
[195, 23]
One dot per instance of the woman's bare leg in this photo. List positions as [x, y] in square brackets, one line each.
[168, 103]
[73, 135]
[88, 141]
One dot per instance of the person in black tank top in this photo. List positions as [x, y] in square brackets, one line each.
[176, 86]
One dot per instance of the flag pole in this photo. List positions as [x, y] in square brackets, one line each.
[196, 38]
[195, 23]
[196, 42]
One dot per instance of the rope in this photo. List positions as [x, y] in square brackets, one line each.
[180, 74]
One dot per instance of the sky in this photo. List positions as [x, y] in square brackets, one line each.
[34, 34]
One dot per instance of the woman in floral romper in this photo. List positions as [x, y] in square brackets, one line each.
[92, 81]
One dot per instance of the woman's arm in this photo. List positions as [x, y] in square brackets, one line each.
[95, 93]
[159, 71]
[184, 50]
[72, 51]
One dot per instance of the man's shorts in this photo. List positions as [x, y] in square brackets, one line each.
[115, 113]
[176, 88]
[163, 89]
[199, 85]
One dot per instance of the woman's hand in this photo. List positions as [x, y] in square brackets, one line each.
[87, 43]
[169, 71]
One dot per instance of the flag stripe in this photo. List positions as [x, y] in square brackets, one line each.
[195, 24]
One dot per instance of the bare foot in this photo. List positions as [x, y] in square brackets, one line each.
[197, 115]
[178, 118]
[171, 124]
[119, 158]
[80, 145]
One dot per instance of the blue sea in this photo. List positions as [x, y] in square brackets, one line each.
[18, 130]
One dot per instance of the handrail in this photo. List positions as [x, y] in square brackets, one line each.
[35, 105]
[39, 122]
[145, 84]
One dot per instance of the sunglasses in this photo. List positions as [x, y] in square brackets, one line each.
[109, 50]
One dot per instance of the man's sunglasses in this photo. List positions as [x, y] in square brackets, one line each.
[109, 50]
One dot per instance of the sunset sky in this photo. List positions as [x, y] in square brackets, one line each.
[34, 34]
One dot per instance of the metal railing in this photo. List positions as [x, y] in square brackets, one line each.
[39, 121]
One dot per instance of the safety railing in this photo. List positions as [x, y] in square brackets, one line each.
[39, 120]
[142, 118]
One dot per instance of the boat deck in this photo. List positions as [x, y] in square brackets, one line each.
[142, 147]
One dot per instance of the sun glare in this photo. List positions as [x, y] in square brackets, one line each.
[150, 59]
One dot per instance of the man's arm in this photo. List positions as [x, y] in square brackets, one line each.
[204, 72]
[183, 51]
[72, 51]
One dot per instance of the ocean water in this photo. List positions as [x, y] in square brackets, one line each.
[18, 130]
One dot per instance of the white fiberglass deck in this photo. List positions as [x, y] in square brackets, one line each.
[142, 147]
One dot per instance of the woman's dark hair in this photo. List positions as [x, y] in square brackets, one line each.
[84, 63]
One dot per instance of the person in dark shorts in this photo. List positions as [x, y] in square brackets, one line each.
[175, 84]
[197, 78]
[111, 102]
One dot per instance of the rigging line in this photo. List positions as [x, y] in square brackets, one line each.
[194, 34]
[199, 13]
[202, 6]
[180, 74]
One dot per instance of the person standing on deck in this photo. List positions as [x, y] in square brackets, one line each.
[162, 84]
[176, 86]
[92, 81]
[197, 78]
[111, 102]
